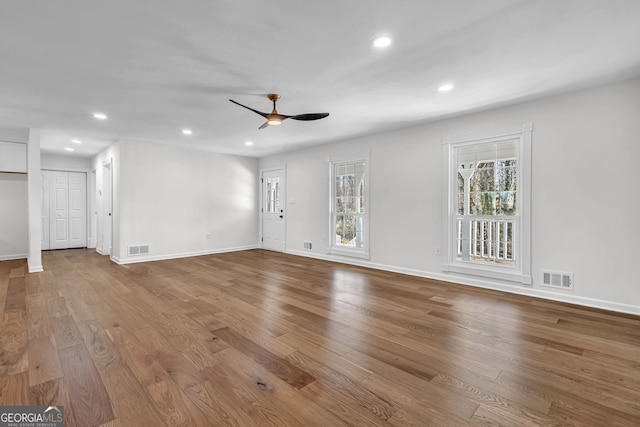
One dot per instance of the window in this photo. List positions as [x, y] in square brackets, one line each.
[272, 194]
[349, 207]
[488, 214]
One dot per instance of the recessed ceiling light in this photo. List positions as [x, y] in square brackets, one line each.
[248, 143]
[187, 131]
[76, 141]
[69, 149]
[445, 87]
[382, 41]
[100, 116]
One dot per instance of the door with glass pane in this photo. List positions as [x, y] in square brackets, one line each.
[273, 212]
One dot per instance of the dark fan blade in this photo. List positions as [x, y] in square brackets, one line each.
[265, 115]
[264, 125]
[309, 116]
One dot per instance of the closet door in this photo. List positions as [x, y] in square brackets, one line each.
[44, 209]
[64, 210]
[59, 211]
[77, 210]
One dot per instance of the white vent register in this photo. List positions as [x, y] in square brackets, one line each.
[557, 279]
[138, 250]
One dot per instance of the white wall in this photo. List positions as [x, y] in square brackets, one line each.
[170, 198]
[13, 216]
[34, 202]
[585, 193]
[66, 163]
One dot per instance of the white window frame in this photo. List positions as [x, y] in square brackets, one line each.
[521, 272]
[332, 248]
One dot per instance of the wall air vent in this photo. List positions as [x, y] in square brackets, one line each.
[557, 279]
[137, 250]
[307, 245]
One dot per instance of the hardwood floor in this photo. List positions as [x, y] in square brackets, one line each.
[257, 338]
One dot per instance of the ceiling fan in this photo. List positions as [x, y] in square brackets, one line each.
[275, 118]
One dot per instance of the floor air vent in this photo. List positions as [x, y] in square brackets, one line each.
[557, 279]
[138, 250]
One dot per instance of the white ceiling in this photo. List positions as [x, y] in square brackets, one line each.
[158, 66]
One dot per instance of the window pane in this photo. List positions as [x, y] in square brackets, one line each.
[359, 235]
[350, 187]
[506, 203]
[350, 168]
[348, 231]
[339, 187]
[361, 205]
[350, 204]
[482, 203]
[272, 195]
[361, 184]
[505, 176]
[339, 228]
[483, 179]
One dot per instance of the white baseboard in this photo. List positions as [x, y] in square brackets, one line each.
[133, 260]
[483, 283]
[12, 257]
[36, 269]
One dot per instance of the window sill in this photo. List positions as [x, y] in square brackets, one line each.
[486, 272]
[354, 253]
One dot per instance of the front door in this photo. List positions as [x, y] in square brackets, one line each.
[273, 214]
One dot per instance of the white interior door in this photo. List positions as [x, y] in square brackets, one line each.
[44, 209]
[59, 211]
[273, 210]
[107, 206]
[77, 210]
[64, 210]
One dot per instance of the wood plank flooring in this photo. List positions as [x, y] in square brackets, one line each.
[258, 338]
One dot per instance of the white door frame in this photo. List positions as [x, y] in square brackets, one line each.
[107, 208]
[283, 203]
[45, 208]
[92, 212]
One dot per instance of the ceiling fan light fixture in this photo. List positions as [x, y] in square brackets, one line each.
[274, 121]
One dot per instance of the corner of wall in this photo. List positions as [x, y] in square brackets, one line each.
[34, 258]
